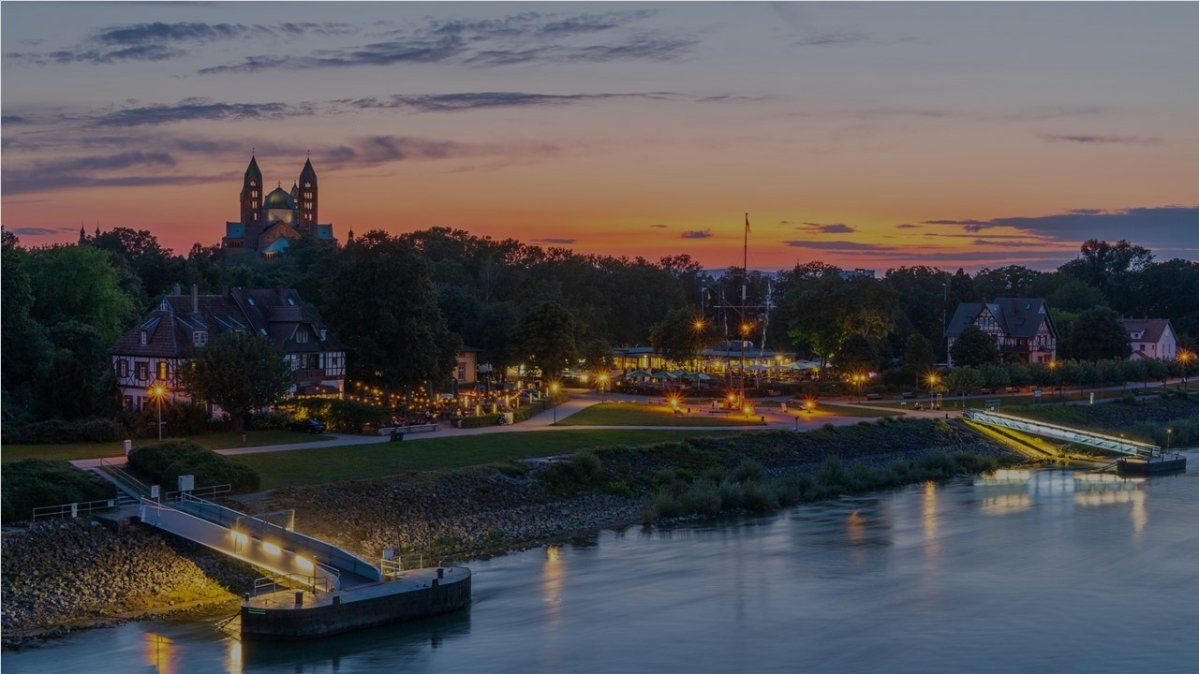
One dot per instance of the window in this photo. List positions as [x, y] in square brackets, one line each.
[122, 368]
[163, 370]
[143, 338]
[128, 402]
[141, 371]
[301, 336]
[200, 337]
[324, 334]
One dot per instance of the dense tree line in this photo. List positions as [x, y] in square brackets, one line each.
[404, 304]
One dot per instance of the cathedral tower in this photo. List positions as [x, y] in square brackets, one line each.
[251, 194]
[306, 200]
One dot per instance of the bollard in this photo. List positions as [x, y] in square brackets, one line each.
[440, 572]
[436, 582]
[336, 601]
[299, 598]
[245, 596]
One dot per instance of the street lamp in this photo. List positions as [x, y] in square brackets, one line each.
[1053, 364]
[1185, 357]
[933, 380]
[603, 382]
[158, 391]
[554, 391]
[1169, 433]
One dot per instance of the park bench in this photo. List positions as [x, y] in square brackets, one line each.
[874, 396]
[406, 430]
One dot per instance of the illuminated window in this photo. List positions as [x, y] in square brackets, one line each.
[162, 370]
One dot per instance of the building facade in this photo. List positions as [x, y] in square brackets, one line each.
[152, 353]
[1022, 327]
[1151, 338]
[270, 221]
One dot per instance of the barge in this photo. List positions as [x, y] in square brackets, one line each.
[1142, 465]
[289, 615]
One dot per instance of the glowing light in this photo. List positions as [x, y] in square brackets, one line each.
[584, 377]
[271, 548]
[698, 324]
[304, 563]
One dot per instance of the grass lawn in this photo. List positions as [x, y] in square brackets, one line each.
[92, 450]
[833, 410]
[329, 464]
[633, 414]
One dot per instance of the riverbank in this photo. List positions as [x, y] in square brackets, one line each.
[64, 574]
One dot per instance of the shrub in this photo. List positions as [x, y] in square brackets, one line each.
[164, 462]
[33, 483]
[347, 416]
[758, 498]
[57, 430]
[748, 471]
[582, 471]
[702, 498]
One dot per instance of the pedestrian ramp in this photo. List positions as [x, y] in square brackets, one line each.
[277, 548]
[1077, 436]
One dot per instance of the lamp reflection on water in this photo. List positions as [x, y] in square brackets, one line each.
[233, 662]
[928, 518]
[159, 653]
[552, 573]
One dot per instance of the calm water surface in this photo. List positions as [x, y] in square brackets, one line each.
[1035, 572]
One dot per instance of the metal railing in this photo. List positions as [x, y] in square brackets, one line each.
[396, 565]
[291, 581]
[74, 509]
[202, 492]
[123, 478]
[1081, 437]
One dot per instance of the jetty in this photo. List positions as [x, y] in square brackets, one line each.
[314, 588]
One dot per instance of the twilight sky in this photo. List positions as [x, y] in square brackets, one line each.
[862, 134]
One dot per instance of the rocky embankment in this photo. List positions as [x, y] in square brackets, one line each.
[58, 576]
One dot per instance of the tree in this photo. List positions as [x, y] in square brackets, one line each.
[1098, 334]
[240, 372]
[1106, 266]
[917, 355]
[545, 337]
[383, 307]
[962, 380]
[857, 354]
[1010, 281]
[678, 337]
[974, 347]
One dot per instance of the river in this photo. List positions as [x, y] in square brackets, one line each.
[1043, 571]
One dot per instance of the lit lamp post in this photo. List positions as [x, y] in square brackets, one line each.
[933, 380]
[858, 380]
[554, 392]
[1185, 357]
[603, 382]
[1056, 382]
[1169, 434]
[158, 392]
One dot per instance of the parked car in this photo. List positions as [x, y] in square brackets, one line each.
[309, 425]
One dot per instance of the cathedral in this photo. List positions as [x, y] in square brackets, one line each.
[269, 222]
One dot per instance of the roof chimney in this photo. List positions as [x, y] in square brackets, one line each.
[178, 290]
[195, 299]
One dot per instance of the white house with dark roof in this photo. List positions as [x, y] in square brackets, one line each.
[153, 352]
[1022, 327]
[1151, 338]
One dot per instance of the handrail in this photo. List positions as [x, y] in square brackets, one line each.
[120, 475]
[80, 507]
[1091, 438]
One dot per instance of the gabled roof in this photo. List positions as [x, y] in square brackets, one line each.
[1018, 317]
[275, 313]
[1150, 329]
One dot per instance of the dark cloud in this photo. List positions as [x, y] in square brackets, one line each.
[159, 41]
[697, 234]
[833, 228]
[1090, 139]
[40, 183]
[839, 245]
[658, 226]
[830, 39]
[14, 119]
[199, 108]
[489, 99]
[79, 171]
[560, 242]
[515, 39]
[1164, 227]
[906, 225]
[375, 150]
[38, 231]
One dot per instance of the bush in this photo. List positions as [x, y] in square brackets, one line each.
[702, 498]
[346, 416]
[164, 462]
[33, 483]
[584, 470]
[272, 419]
[480, 421]
[748, 471]
[57, 430]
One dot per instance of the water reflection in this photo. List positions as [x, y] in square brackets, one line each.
[396, 644]
[233, 663]
[551, 582]
[159, 653]
[928, 519]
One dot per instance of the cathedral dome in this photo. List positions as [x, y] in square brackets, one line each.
[278, 198]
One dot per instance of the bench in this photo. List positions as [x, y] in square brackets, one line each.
[874, 396]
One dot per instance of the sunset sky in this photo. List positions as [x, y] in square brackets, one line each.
[864, 135]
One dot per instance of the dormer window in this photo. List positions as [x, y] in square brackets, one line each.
[301, 336]
[291, 301]
[199, 337]
[323, 334]
[143, 338]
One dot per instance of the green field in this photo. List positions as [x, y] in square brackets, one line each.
[330, 464]
[633, 414]
[94, 450]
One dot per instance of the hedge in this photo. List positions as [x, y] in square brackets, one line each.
[164, 462]
[33, 483]
[57, 430]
